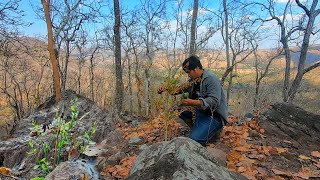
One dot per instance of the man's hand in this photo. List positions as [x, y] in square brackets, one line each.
[191, 102]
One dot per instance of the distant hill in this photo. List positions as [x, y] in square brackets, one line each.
[311, 57]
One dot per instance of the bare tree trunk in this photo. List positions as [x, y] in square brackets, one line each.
[312, 14]
[258, 80]
[79, 75]
[226, 30]
[130, 86]
[117, 51]
[65, 69]
[229, 86]
[139, 84]
[192, 50]
[226, 41]
[56, 77]
[92, 74]
[147, 91]
[287, 68]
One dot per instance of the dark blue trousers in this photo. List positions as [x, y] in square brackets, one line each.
[204, 127]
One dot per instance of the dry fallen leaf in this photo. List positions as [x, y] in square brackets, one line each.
[278, 172]
[281, 150]
[315, 154]
[303, 157]
[262, 171]
[243, 148]
[250, 172]
[123, 173]
[241, 169]
[4, 170]
[304, 174]
[273, 150]
[73, 154]
[234, 156]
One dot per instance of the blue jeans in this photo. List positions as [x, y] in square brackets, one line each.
[205, 127]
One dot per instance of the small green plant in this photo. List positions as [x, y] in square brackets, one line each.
[88, 137]
[67, 137]
[65, 133]
[42, 163]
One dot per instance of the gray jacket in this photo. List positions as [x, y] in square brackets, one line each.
[212, 95]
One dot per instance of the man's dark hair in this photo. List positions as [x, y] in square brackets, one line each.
[191, 63]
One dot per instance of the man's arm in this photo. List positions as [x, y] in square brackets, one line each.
[213, 95]
[191, 102]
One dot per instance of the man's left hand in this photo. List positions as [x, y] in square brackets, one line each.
[191, 102]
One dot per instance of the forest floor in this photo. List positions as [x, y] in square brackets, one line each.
[248, 151]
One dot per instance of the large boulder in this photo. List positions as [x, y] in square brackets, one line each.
[180, 158]
[13, 152]
[289, 124]
[89, 113]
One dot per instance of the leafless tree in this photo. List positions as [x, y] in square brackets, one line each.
[81, 44]
[55, 68]
[307, 31]
[94, 50]
[150, 14]
[69, 17]
[241, 39]
[13, 70]
[262, 71]
[133, 48]
[288, 32]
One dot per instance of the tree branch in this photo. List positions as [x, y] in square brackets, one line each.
[303, 7]
[313, 66]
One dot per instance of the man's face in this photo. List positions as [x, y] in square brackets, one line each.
[193, 74]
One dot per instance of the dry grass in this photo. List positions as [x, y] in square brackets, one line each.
[6, 115]
[271, 91]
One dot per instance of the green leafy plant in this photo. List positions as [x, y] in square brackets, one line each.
[67, 137]
[88, 137]
[42, 163]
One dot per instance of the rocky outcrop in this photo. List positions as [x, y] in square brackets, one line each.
[180, 158]
[300, 129]
[89, 113]
[13, 152]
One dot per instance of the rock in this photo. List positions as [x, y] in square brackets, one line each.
[114, 139]
[135, 141]
[13, 152]
[219, 155]
[73, 170]
[115, 159]
[291, 123]
[88, 114]
[180, 158]
[143, 147]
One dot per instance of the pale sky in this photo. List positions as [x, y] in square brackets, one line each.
[38, 28]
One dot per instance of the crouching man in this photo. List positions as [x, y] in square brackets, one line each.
[206, 94]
